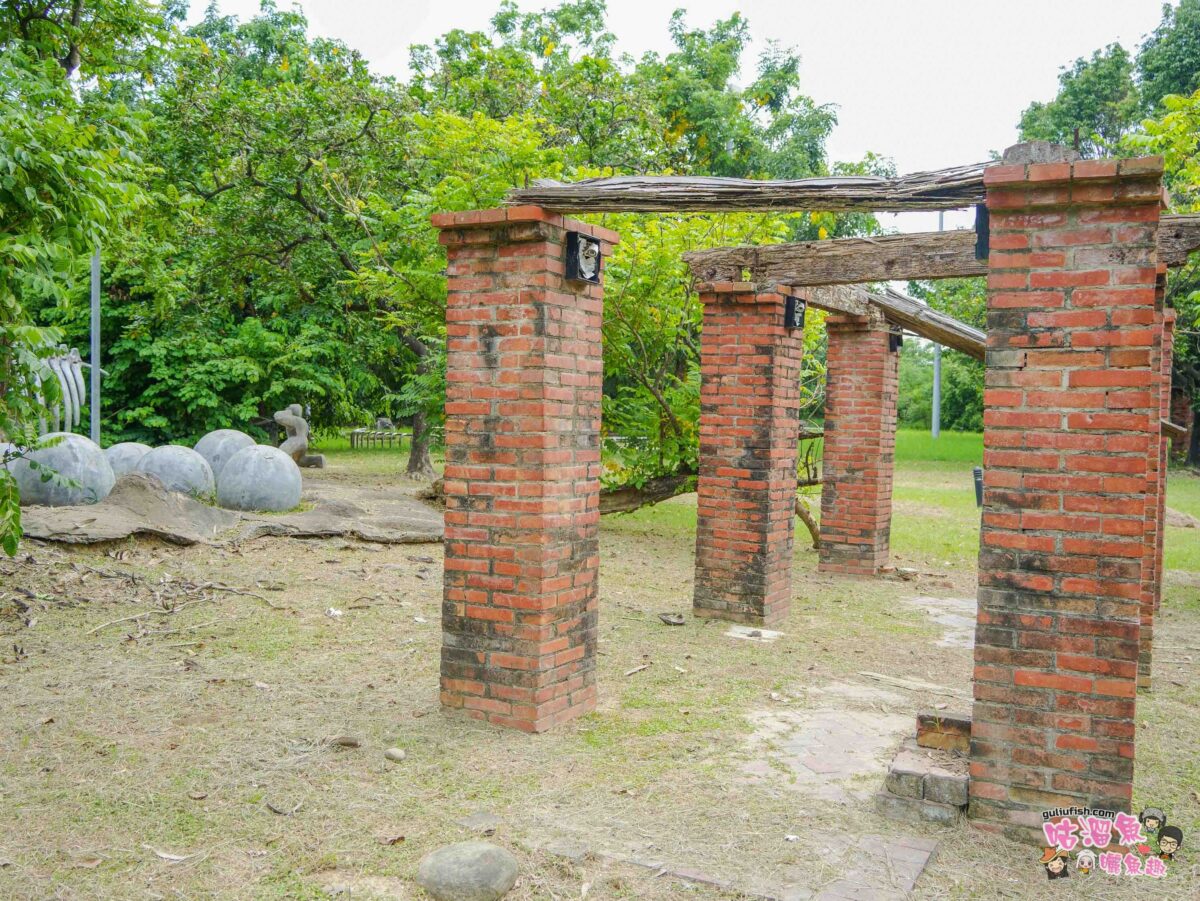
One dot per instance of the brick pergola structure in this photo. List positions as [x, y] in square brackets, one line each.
[1068, 568]
[749, 430]
[862, 381]
[523, 387]
[1078, 382]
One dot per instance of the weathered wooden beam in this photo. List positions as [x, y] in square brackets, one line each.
[922, 320]
[1178, 236]
[849, 299]
[923, 255]
[945, 189]
[1173, 429]
[845, 261]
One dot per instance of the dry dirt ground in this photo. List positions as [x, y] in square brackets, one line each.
[162, 737]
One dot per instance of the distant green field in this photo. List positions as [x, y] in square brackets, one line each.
[935, 521]
[949, 447]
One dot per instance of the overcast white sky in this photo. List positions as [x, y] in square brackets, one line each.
[930, 83]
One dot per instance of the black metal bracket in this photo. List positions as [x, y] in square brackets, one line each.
[895, 341]
[982, 232]
[794, 310]
[583, 260]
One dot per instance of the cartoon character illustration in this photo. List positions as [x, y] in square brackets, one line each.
[1055, 862]
[1170, 839]
[589, 258]
[1153, 819]
[1085, 862]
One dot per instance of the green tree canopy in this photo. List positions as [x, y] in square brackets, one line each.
[1169, 61]
[1097, 105]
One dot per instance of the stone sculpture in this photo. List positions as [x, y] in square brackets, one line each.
[124, 457]
[80, 472]
[218, 446]
[180, 469]
[296, 444]
[66, 369]
[259, 478]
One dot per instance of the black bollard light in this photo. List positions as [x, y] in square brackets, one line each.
[978, 486]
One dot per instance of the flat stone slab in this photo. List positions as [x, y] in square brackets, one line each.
[140, 505]
[415, 526]
[870, 866]
[137, 505]
[357, 887]
[957, 615]
[859, 693]
[823, 751]
[481, 821]
[377, 513]
[753, 633]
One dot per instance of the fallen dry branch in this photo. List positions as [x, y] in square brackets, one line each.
[946, 189]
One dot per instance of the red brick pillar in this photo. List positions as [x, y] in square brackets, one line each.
[1068, 426]
[1156, 486]
[1182, 415]
[861, 386]
[749, 429]
[523, 385]
[1168, 361]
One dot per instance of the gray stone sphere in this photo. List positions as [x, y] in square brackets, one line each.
[217, 447]
[468, 871]
[124, 457]
[75, 458]
[259, 478]
[180, 469]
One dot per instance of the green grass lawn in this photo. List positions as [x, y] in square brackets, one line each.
[949, 447]
[936, 520]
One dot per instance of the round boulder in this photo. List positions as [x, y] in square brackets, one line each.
[467, 871]
[124, 457]
[180, 469]
[259, 478]
[79, 472]
[217, 447]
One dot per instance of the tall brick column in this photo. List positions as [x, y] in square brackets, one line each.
[749, 429]
[1069, 422]
[1156, 486]
[1167, 360]
[1182, 415]
[523, 386]
[861, 387]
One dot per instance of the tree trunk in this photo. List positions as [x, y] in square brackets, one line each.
[419, 465]
[806, 515]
